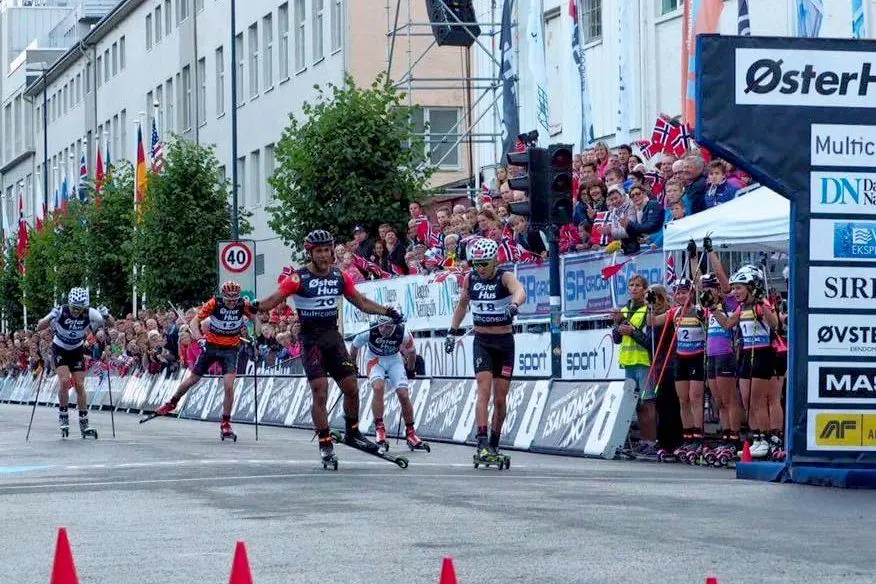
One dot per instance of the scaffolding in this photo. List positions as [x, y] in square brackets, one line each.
[481, 94]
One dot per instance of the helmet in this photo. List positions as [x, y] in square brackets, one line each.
[749, 275]
[683, 284]
[318, 238]
[710, 280]
[483, 250]
[231, 289]
[78, 297]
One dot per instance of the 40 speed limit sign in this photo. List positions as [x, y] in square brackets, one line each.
[236, 261]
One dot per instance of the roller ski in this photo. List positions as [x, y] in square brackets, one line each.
[85, 430]
[355, 439]
[380, 438]
[487, 456]
[164, 410]
[225, 431]
[327, 454]
[724, 453]
[664, 455]
[64, 420]
[415, 443]
[777, 448]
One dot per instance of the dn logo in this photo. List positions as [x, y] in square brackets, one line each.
[836, 429]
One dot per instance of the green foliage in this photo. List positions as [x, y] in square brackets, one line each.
[10, 287]
[185, 212]
[354, 160]
[39, 282]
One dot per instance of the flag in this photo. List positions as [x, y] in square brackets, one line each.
[859, 19]
[700, 17]
[140, 180]
[455, 272]
[537, 67]
[743, 20]
[680, 138]
[65, 195]
[98, 171]
[810, 14]
[661, 134]
[581, 66]
[670, 270]
[39, 219]
[157, 150]
[652, 177]
[428, 234]
[508, 73]
[83, 176]
[368, 267]
[648, 149]
[22, 234]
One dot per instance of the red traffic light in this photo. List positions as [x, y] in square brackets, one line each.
[561, 158]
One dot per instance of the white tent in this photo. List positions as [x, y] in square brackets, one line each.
[755, 221]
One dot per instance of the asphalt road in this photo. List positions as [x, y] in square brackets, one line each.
[165, 502]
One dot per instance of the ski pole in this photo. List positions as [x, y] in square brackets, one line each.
[109, 386]
[35, 400]
[352, 336]
[255, 390]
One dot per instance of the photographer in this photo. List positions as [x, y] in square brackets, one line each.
[669, 428]
[628, 332]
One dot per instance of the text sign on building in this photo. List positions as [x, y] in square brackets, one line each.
[235, 260]
[800, 115]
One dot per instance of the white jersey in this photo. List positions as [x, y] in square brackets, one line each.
[70, 331]
[383, 360]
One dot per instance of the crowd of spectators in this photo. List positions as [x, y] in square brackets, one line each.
[620, 202]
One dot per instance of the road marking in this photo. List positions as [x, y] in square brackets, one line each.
[28, 468]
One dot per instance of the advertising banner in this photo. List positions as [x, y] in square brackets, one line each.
[590, 355]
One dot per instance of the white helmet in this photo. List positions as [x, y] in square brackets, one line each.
[78, 297]
[748, 275]
[482, 250]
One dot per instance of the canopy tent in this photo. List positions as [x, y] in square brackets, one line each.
[759, 220]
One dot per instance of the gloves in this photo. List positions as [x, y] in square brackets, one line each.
[104, 312]
[449, 344]
[254, 305]
[411, 373]
[395, 315]
[650, 297]
[511, 310]
[707, 244]
[202, 342]
[691, 248]
[707, 299]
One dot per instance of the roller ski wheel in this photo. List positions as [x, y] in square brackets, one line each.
[89, 433]
[383, 445]
[666, 456]
[364, 445]
[330, 462]
[500, 461]
[230, 435]
[710, 458]
[65, 432]
[421, 445]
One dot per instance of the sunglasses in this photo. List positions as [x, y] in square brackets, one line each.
[481, 263]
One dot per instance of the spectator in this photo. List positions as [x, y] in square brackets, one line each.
[613, 176]
[677, 210]
[362, 245]
[634, 162]
[623, 156]
[501, 179]
[379, 255]
[619, 207]
[600, 153]
[443, 217]
[695, 185]
[351, 271]
[382, 230]
[415, 209]
[458, 209]
[648, 220]
[396, 254]
[529, 238]
[720, 191]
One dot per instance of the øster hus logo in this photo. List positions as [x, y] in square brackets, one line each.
[854, 240]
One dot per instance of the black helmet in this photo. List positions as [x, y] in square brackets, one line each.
[318, 238]
[710, 280]
[683, 284]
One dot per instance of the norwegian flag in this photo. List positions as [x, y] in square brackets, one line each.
[652, 177]
[456, 272]
[83, 176]
[486, 194]
[396, 270]
[157, 150]
[670, 271]
[369, 267]
[648, 149]
[662, 132]
[598, 238]
[428, 234]
[680, 139]
[23, 243]
[511, 252]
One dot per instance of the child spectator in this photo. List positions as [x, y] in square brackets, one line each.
[720, 191]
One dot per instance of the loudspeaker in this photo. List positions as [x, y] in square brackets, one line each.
[446, 28]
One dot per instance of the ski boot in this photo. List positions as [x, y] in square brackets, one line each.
[380, 438]
[680, 453]
[777, 448]
[355, 439]
[414, 441]
[694, 454]
[83, 427]
[488, 456]
[166, 408]
[64, 421]
[225, 431]
[760, 448]
[327, 454]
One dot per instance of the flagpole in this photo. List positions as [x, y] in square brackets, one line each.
[142, 116]
[134, 264]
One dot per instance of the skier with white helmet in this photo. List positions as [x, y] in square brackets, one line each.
[70, 323]
[495, 296]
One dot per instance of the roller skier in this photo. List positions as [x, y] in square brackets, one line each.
[317, 289]
[70, 324]
[495, 296]
[389, 346]
[224, 316]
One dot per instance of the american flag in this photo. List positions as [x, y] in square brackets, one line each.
[670, 271]
[662, 132]
[157, 150]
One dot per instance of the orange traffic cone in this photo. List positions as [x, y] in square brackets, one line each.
[240, 572]
[448, 572]
[746, 452]
[63, 569]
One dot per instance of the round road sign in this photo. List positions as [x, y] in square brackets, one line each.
[236, 257]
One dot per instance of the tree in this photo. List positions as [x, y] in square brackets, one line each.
[10, 287]
[356, 159]
[185, 211]
[39, 283]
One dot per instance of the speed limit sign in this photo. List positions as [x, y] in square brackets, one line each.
[236, 261]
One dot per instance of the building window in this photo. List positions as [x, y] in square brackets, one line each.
[19, 126]
[337, 24]
[148, 31]
[253, 60]
[283, 32]
[106, 66]
[116, 149]
[88, 77]
[122, 56]
[241, 181]
[238, 48]
[159, 96]
[169, 119]
[269, 171]
[99, 71]
[158, 24]
[299, 35]
[268, 50]
[78, 85]
[183, 6]
[318, 18]
[7, 134]
[220, 82]
[255, 171]
[202, 90]
[115, 59]
[124, 126]
[442, 134]
[591, 17]
[180, 103]
[187, 98]
[150, 110]
[668, 6]
[39, 118]
[168, 16]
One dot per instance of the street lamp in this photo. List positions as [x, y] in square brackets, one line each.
[234, 219]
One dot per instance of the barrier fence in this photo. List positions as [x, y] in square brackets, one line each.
[581, 418]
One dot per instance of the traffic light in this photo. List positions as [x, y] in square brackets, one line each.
[534, 183]
[560, 197]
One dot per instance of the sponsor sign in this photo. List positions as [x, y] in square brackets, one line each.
[590, 355]
[447, 398]
[519, 396]
[846, 335]
[536, 281]
[842, 382]
[585, 291]
[843, 192]
[843, 144]
[805, 78]
[841, 430]
[846, 240]
[531, 356]
[842, 287]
